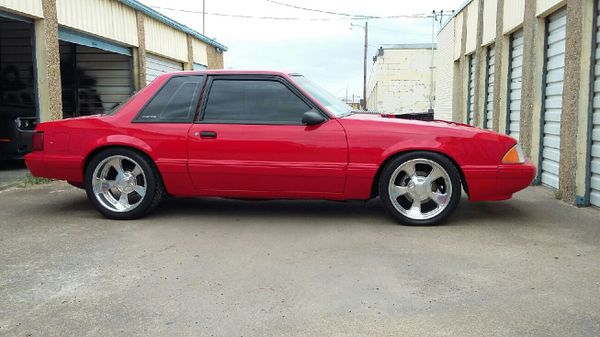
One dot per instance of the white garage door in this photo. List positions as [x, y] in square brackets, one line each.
[489, 95]
[157, 65]
[553, 92]
[595, 164]
[514, 85]
[471, 90]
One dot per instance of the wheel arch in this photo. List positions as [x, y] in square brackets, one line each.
[389, 158]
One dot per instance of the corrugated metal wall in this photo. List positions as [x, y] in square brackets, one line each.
[489, 91]
[514, 84]
[458, 23]
[553, 94]
[471, 90]
[165, 41]
[595, 136]
[157, 65]
[544, 5]
[489, 17]
[513, 14]
[444, 71]
[28, 7]
[106, 18]
[200, 52]
[473, 12]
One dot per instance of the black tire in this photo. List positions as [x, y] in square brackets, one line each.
[442, 161]
[154, 187]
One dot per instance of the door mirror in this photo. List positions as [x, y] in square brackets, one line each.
[312, 117]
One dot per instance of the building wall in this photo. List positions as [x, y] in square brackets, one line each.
[400, 81]
[496, 27]
[31, 8]
[444, 71]
[165, 41]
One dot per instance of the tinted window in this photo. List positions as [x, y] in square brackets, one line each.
[253, 101]
[175, 102]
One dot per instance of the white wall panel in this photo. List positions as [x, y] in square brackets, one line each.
[458, 24]
[444, 72]
[164, 40]
[489, 20]
[200, 52]
[514, 11]
[104, 18]
[545, 5]
[156, 66]
[27, 7]
[514, 84]
[473, 12]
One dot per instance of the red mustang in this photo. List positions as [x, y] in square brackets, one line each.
[259, 134]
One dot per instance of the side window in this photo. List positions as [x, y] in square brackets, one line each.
[175, 102]
[253, 102]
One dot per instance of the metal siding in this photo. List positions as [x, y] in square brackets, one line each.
[198, 66]
[444, 71]
[595, 136]
[553, 94]
[514, 84]
[514, 11]
[458, 23]
[157, 65]
[473, 12]
[544, 5]
[489, 95]
[200, 52]
[27, 7]
[105, 18]
[489, 20]
[164, 40]
[471, 90]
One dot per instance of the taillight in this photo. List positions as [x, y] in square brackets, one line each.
[38, 141]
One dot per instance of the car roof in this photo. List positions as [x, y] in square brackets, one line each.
[229, 72]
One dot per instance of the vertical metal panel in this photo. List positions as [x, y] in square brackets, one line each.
[514, 85]
[489, 20]
[105, 18]
[545, 5]
[489, 91]
[458, 23]
[514, 11]
[553, 94]
[200, 52]
[471, 90]
[157, 65]
[595, 135]
[164, 40]
[473, 12]
[27, 7]
[444, 71]
[93, 80]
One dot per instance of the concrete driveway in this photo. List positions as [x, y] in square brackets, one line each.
[212, 267]
[11, 173]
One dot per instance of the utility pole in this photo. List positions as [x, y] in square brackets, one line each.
[432, 62]
[366, 28]
[203, 17]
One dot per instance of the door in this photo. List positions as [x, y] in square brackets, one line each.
[595, 136]
[158, 65]
[553, 92]
[489, 90]
[471, 90]
[513, 116]
[250, 141]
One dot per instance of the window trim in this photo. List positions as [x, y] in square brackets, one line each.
[272, 78]
[137, 120]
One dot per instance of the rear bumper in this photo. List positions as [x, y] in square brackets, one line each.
[498, 182]
[61, 167]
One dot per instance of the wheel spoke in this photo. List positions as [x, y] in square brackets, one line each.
[410, 169]
[123, 200]
[137, 170]
[397, 191]
[415, 209]
[434, 175]
[439, 198]
[140, 190]
[117, 164]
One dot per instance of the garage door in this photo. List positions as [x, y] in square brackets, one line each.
[595, 160]
[514, 85]
[157, 65]
[471, 90]
[489, 91]
[93, 80]
[553, 92]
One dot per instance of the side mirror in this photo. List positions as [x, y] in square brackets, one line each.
[312, 117]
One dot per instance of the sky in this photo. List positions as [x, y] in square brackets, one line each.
[330, 52]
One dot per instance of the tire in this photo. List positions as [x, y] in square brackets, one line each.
[420, 188]
[137, 179]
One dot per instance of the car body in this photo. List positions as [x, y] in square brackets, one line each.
[338, 157]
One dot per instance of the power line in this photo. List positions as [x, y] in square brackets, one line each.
[353, 16]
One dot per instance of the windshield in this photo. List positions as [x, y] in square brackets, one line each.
[332, 103]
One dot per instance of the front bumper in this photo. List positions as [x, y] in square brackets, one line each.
[487, 183]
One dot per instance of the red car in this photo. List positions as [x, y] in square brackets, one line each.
[263, 134]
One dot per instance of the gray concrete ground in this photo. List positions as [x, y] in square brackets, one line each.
[11, 173]
[212, 267]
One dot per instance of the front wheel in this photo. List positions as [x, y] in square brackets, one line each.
[420, 188]
[122, 184]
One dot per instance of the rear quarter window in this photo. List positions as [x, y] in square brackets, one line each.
[175, 102]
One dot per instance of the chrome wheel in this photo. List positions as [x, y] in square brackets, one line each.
[119, 183]
[420, 189]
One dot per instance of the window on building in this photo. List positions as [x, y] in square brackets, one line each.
[253, 102]
[175, 102]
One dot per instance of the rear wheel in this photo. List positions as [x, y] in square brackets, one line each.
[420, 188]
[122, 184]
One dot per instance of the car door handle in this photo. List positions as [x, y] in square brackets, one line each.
[207, 134]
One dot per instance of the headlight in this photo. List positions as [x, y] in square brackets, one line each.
[514, 155]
